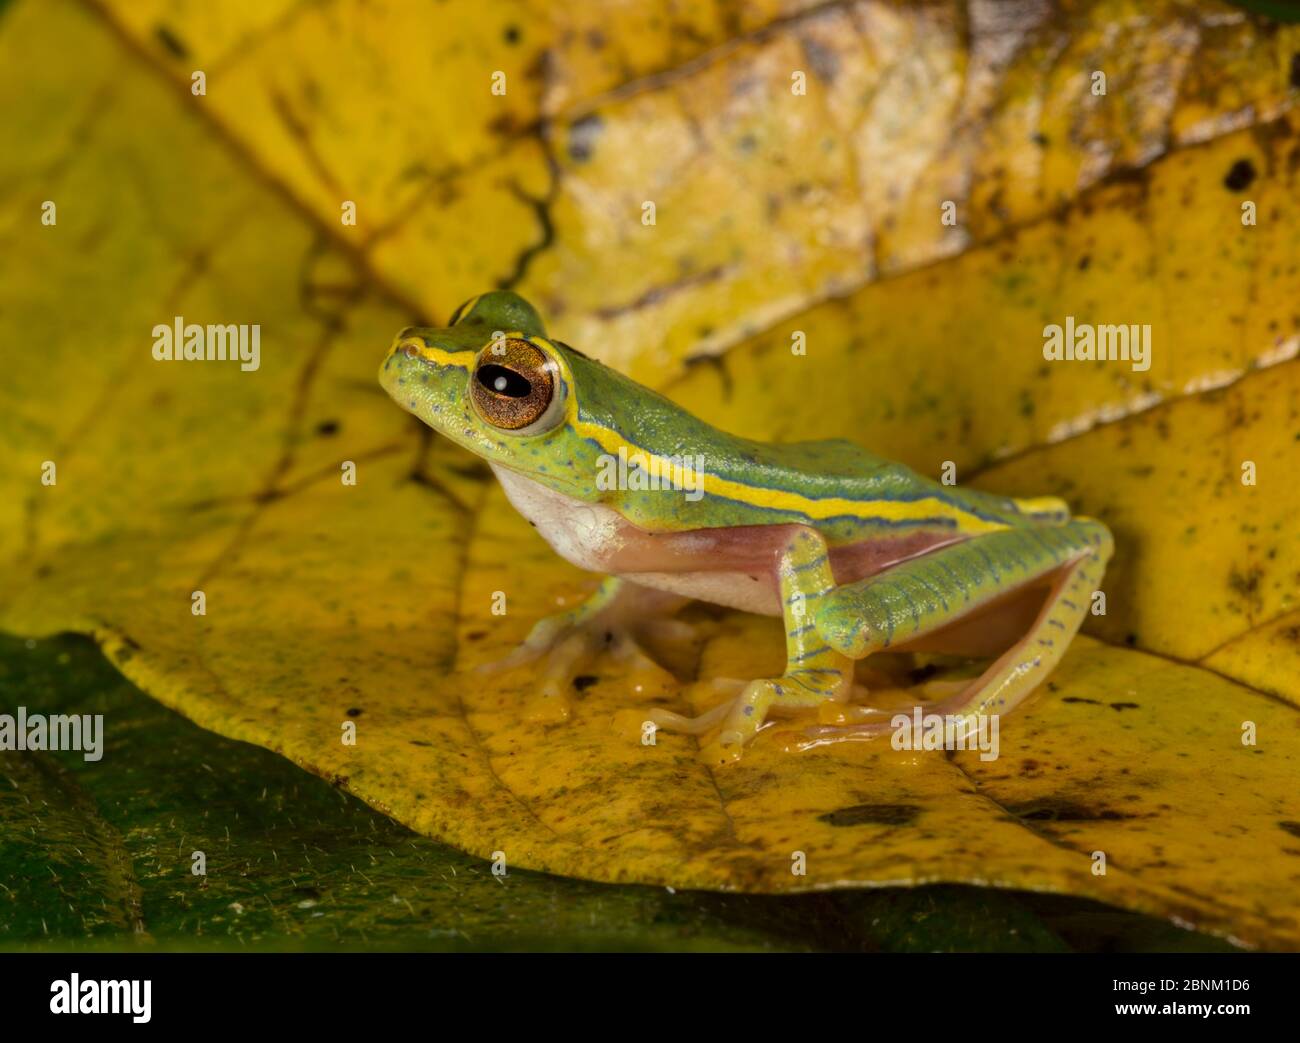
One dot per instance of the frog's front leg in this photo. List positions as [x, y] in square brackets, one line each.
[815, 673]
[568, 642]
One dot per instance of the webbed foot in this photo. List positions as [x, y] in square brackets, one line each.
[739, 719]
[566, 645]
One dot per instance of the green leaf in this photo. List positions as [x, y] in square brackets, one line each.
[98, 854]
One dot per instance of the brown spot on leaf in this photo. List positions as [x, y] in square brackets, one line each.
[825, 65]
[175, 47]
[1245, 582]
[1240, 176]
[1060, 809]
[871, 815]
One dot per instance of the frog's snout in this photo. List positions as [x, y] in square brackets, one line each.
[405, 346]
[395, 364]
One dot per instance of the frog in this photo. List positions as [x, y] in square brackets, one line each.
[856, 554]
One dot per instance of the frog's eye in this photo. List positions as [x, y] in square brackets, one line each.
[514, 387]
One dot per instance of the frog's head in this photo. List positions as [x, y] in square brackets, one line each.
[496, 385]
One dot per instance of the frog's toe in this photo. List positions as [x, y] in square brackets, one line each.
[552, 703]
[675, 631]
[861, 722]
[520, 656]
[741, 717]
[545, 638]
[876, 704]
[844, 713]
[698, 725]
[719, 753]
[562, 655]
[736, 720]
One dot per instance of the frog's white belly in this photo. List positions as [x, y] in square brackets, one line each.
[734, 589]
[599, 539]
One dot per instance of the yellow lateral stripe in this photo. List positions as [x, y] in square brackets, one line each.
[463, 359]
[460, 359]
[782, 500]
[1041, 504]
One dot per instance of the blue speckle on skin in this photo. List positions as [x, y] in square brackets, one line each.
[749, 711]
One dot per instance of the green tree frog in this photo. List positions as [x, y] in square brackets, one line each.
[856, 554]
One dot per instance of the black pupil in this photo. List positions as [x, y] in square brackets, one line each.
[504, 381]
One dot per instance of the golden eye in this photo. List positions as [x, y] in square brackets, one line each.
[513, 384]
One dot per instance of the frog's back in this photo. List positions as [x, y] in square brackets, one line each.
[844, 470]
[835, 485]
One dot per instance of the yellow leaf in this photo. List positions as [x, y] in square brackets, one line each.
[767, 202]
[1202, 560]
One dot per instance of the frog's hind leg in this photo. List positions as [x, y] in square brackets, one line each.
[567, 643]
[815, 673]
[1072, 556]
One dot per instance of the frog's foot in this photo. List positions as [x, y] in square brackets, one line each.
[872, 706]
[566, 645]
[739, 719]
[698, 725]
